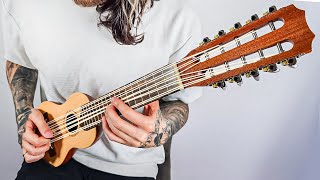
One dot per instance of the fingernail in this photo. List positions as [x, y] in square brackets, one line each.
[112, 99]
[48, 134]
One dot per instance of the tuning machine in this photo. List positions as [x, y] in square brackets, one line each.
[220, 84]
[253, 18]
[205, 41]
[254, 73]
[236, 26]
[271, 10]
[220, 34]
[236, 79]
[272, 68]
[291, 62]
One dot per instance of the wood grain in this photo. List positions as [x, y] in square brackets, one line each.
[66, 147]
[294, 30]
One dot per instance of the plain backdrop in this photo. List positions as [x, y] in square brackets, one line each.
[261, 131]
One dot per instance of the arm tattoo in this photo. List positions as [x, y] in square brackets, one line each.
[22, 82]
[176, 113]
[171, 117]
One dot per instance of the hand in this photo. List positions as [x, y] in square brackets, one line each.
[33, 145]
[149, 129]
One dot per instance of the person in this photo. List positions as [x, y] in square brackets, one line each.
[94, 47]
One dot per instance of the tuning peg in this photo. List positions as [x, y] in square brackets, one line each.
[292, 62]
[220, 84]
[255, 74]
[272, 9]
[237, 25]
[205, 41]
[221, 33]
[254, 17]
[273, 68]
[238, 80]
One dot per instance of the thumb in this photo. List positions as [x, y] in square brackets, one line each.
[37, 118]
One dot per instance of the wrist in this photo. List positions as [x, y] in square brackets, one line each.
[22, 118]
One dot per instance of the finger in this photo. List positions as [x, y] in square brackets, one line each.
[30, 158]
[115, 120]
[127, 112]
[31, 137]
[152, 109]
[37, 118]
[129, 140]
[35, 151]
[110, 134]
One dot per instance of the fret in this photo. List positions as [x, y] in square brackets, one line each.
[136, 94]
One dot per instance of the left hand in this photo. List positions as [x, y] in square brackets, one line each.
[149, 129]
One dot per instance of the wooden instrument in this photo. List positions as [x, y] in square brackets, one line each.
[226, 58]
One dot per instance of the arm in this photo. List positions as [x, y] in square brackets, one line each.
[22, 82]
[172, 116]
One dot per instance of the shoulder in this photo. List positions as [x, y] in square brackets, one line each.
[13, 7]
[176, 10]
[179, 21]
[9, 5]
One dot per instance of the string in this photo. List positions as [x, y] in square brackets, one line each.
[215, 48]
[185, 79]
[94, 112]
[120, 96]
[138, 87]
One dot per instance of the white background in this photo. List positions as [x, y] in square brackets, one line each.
[261, 131]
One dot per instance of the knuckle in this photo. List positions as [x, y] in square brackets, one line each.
[150, 128]
[36, 143]
[137, 144]
[47, 148]
[24, 136]
[143, 137]
[115, 123]
[32, 152]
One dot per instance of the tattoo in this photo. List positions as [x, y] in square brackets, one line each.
[22, 82]
[176, 114]
[148, 141]
[171, 117]
[158, 137]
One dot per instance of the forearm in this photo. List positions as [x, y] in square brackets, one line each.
[22, 82]
[176, 114]
[171, 117]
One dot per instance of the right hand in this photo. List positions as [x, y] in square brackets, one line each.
[34, 146]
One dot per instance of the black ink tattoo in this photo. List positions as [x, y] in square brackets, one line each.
[22, 82]
[148, 141]
[171, 117]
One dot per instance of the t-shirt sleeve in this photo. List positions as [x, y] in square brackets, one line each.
[14, 50]
[184, 38]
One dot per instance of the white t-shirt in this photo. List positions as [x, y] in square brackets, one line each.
[62, 41]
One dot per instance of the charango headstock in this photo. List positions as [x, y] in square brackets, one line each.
[229, 56]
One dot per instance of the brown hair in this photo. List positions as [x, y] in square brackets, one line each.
[122, 17]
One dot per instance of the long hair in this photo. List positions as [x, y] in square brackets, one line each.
[122, 18]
